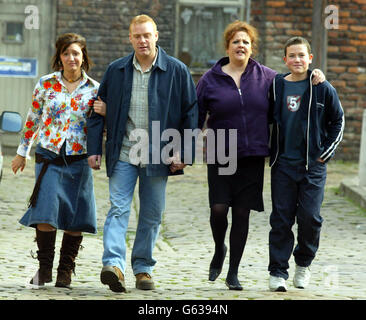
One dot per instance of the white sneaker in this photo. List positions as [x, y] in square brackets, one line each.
[302, 277]
[277, 284]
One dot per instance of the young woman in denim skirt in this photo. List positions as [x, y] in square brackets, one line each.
[63, 196]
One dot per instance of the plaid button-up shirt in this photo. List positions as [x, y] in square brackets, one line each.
[138, 114]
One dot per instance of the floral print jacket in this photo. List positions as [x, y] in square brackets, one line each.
[57, 116]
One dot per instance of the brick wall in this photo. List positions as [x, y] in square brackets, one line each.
[279, 20]
[105, 24]
[347, 69]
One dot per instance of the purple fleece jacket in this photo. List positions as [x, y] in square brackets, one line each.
[245, 109]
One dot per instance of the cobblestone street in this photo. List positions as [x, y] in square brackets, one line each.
[185, 247]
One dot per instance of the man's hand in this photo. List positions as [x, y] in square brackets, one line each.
[95, 161]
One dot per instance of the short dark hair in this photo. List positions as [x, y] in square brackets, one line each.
[297, 40]
[63, 42]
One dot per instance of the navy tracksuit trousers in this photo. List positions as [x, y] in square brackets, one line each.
[296, 194]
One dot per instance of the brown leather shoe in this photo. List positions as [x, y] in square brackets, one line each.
[144, 281]
[114, 278]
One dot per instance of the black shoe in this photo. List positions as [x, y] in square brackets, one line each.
[214, 272]
[232, 282]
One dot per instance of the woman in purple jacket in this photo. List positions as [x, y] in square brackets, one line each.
[234, 93]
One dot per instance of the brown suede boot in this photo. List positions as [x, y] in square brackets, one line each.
[69, 251]
[45, 254]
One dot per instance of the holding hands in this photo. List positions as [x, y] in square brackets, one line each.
[175, 163]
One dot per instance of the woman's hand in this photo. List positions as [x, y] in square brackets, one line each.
[18, 162]
[318, 77]
[100, 107]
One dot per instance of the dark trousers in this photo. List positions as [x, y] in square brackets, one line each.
[296, 194]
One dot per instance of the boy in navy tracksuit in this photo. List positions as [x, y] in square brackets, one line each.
[308, 126]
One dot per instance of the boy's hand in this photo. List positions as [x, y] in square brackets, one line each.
[318, 77]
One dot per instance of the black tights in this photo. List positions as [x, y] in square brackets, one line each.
[238, 234]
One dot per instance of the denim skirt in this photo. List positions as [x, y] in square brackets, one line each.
[66, 196]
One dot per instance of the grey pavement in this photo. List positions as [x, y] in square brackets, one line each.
[185, 247]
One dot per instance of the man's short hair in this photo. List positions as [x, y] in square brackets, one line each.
[142, 18]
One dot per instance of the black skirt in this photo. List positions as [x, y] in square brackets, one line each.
[244, 188]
